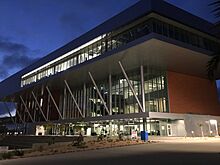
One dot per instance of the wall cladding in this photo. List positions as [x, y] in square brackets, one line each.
[192, 95]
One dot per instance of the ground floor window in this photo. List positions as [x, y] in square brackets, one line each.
[130, 128]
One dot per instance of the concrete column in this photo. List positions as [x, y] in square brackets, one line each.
[143, 96]
[110, 103]
[64, 102]
[84, 99]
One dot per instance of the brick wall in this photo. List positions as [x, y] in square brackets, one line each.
[190, 94]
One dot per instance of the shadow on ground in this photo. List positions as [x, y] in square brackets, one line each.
[154, 158]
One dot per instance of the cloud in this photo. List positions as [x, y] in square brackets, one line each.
[14, 56]
[4, 112]
[17, 60]
[11, 47]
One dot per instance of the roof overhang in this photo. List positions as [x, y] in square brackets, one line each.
[154, 50]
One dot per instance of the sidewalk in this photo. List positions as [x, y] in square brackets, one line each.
[185, 139]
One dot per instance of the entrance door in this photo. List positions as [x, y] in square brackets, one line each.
[169, 131]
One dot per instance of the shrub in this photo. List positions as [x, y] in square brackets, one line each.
[79, 141]
[40, 148]
[51, 141]
[6, 155]
[100, 137]
[18, 152]
[120, 137]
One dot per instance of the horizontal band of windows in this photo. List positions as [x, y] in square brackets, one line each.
[108, 42]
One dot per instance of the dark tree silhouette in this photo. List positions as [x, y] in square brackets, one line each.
[213, 64]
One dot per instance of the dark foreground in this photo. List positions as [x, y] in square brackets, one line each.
[158, 153]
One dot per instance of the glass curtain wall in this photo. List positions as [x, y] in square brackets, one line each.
[118, 38]
[123, 100]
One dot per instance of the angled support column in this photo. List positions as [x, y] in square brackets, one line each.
[54, 102]
[26, 108]
[8, 110]
[100, 96]
[19, 115]
[131, 87]
[74, 100]
[48, 106]
[35, 98]
[143, 89]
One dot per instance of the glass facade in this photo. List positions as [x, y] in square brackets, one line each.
[123, 100]
[117, 97]
[115, 39]
[129, 128]
[182, 35]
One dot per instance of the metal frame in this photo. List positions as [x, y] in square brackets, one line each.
[54, 102]
[35, 98]
[129, 83]
[26, 108]
[94, 83]
[74, 100]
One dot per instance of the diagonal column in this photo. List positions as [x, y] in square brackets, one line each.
[19, 115]
[26, 108]
[8, 110]
[100, 96]
[54, 102]
[131, 87]
[142, 88]
[74, 100]
[48, 106]
[35, 98]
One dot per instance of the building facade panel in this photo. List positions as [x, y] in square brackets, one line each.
[190, 94]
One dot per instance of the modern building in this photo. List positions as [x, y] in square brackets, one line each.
[144, 68]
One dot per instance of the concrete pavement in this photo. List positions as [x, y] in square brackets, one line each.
[178, 153]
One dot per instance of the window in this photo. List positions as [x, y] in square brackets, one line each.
[113, 40]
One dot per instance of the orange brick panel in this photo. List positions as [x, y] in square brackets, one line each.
[190, 94]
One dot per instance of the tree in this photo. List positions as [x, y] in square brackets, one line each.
[213, 63]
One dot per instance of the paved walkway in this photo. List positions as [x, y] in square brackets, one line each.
[185, 139]
[178, 152]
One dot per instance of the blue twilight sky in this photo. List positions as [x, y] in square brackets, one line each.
[30, 29]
